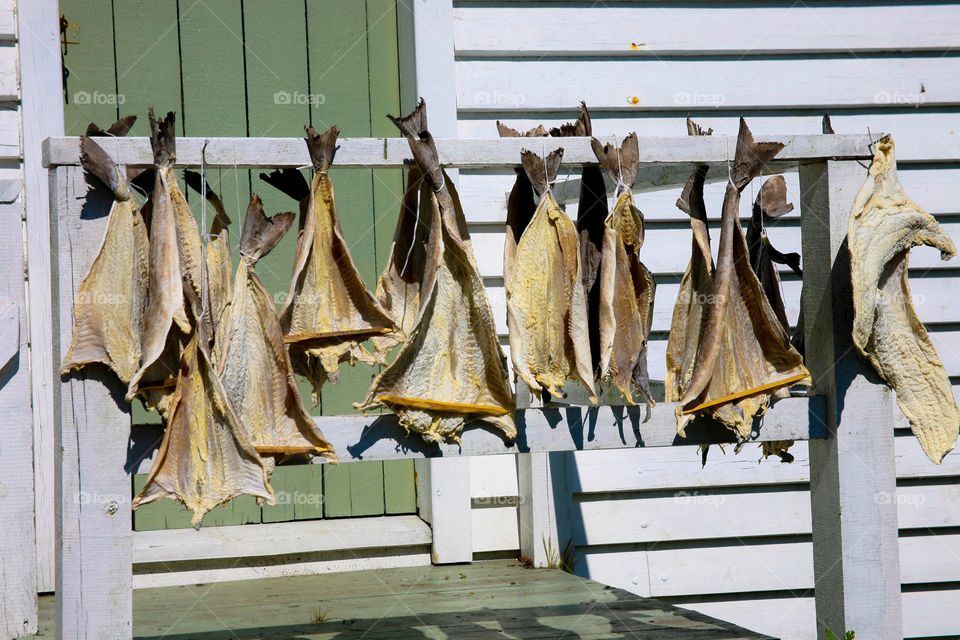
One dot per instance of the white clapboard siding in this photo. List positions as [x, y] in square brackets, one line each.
[8, 20]
[640, 516]
[493, 477]
[494, 528]
[696, 29]
[679, 85]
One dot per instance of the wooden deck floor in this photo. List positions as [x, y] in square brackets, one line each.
[490, 599]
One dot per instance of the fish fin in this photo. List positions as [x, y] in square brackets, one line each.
[163, 139]
[193, 180]
[541, 172]
[414, 128]
[95, 160]
[621, 163]
[693, 129]
[261, 234]
[508, 132]
[289, 181]
[322, 147]
[772, 198]
[750, 157]
[580, 127]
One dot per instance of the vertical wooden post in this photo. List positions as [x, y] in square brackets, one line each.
[94, 577]
[537, 512]
[41, 89]
[427, 70]
[852, 472]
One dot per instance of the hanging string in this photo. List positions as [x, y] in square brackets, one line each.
[203, 224]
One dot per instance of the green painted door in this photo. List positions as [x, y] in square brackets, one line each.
[259, 68]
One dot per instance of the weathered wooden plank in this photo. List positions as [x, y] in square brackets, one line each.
[89, 83]
[18, 579]
[559, 428]
[42, 111]
[93, 561]
[8, 20]
[493, 477]
[280, 538]
[495, 528]
[536, 511]
[463, 153]
[851, 471]
[336, 490]
[399, 487]
[679, 86]
[698, 30]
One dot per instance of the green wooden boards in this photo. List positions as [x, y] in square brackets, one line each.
[235, 68]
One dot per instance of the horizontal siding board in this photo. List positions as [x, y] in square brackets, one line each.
[494, 529]
[493, 476]
[699, 29]
[678, 85]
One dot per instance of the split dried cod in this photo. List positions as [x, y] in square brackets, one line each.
[217, 258]
[175, 267]
[207, 457]
[450, 370]
[884, 225]
[329, 311]
[251, 356]
[546, 310]
[109, 311]
[771, 203]
[744, 354]
[521, 203]
[626, 286]
[696, 286]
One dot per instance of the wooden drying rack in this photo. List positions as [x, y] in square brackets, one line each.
[850, 466]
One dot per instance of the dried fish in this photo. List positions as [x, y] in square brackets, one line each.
[251, 356]
[118, 129]
[626, 286]
[744, 354]
[450, 370]
[207, 456]
[328, 311]
[884, 225]
[521, 203]
[771, 203]
[546, 310]
[696, 286]
[109, 310]
[217, 258]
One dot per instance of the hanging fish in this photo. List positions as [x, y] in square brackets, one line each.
[251, 356]
[521, 203]
[696, 286]
[118, 129]
[771, 203]
[546, 310]
[207, 456]
[328, 311]
[884, 225]
[626, 286]
[744, 354]
[175, 259]
[217, 258]
[450, 370]
[592, 215]
[109, 311]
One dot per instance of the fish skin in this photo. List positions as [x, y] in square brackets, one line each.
[884, 224]
[771, 202]
[546, 306]
[450, 370]
[109, 311]
[328, 311]
[207, 456]
[217, 259]
[626, 286]
[743, 346]
[253, 362]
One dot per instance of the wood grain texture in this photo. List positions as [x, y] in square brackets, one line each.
[852, 471]
[93, 560]
[42, 111]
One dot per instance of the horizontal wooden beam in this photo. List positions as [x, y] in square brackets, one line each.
[279, 538]
[565, 428]
[253, 153]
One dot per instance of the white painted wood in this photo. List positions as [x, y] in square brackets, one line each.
[676, 85]
[9, 78]
[10, 133]
[147, 576]
[8, 20]
[18, 576]
[279, 538]
[494, 529]
[852, 472]
[92, 426]
[712, 28]
[444, 485]
[42, 110]
[537, 511]
[787, 617]
[463, 153]
[493, 477]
